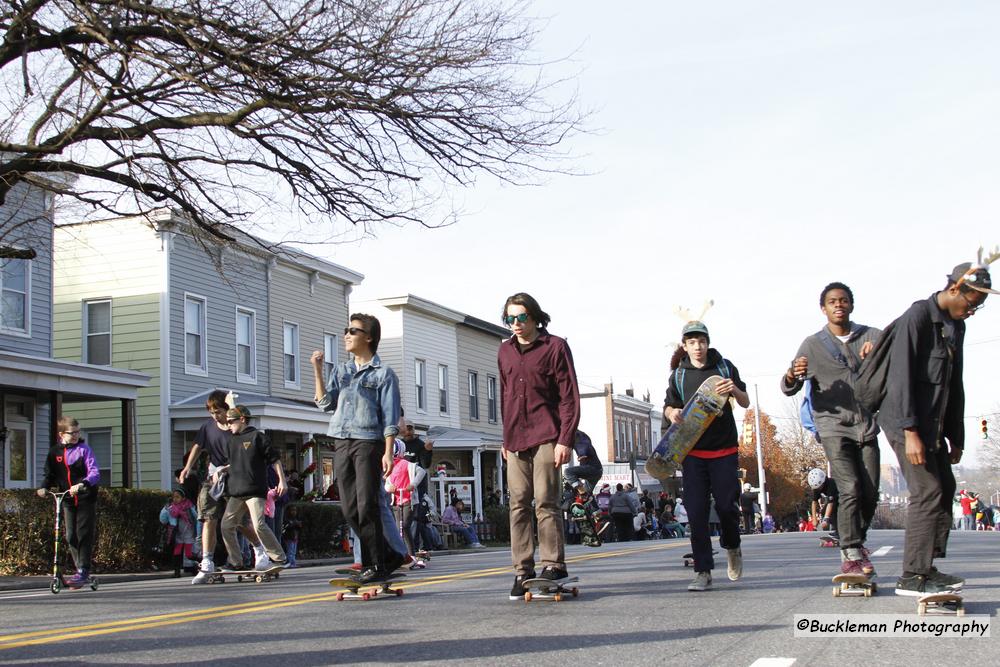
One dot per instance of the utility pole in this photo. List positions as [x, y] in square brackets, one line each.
[762, 494]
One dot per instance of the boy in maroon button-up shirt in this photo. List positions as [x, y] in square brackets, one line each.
[541, 410]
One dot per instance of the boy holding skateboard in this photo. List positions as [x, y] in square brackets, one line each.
[364, 398]
[711, 467]
[541, 410]
[829, 361]
[250, 454]
[922, 416]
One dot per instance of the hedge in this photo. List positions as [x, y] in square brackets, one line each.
[128, 530]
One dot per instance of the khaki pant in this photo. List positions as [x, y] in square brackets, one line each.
[532, 475]
[236, 509]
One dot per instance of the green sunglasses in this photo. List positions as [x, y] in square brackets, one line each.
[522, 318]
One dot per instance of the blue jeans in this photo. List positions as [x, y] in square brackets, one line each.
[467, 532]
[291, 550]
[591, 472]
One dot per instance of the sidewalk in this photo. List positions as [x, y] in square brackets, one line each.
[41, 582]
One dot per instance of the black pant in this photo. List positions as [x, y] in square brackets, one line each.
[79, 519]
[624, 527]
[718, 478]
[928, 517]
[358, 466]
[855, 469]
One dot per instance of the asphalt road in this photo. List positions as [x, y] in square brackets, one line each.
[633, 609]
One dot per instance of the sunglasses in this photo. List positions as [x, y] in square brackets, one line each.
[521, 317]
[969, 306]
[354, 331]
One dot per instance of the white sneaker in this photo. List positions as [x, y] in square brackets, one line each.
[702, 582]
[477, 545]
[735, 570]
[200, 578]
[263, 564]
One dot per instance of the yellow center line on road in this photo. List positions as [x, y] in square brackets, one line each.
[161, 620]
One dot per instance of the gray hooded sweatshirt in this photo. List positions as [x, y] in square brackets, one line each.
[836, 412]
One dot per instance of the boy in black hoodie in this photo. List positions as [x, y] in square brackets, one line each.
[250, 453]
[711, 466]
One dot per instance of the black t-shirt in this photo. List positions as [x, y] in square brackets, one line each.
[416, 453]
[829, 489]
[215, 441]
[747, 500]
[250, 455]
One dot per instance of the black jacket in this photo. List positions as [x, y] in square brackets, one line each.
[721, 433]
[924, 387]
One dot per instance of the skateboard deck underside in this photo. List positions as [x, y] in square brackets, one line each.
[697, 415]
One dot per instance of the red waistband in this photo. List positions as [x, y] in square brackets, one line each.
[714, 453]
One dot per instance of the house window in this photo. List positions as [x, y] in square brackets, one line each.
[195, 335]
[15, 286]
[443, 389]
[331, 346]
[97, 332]
[473, 395]
[291, 354]
[100, 442]
[420, 383]
[491, 399]
[246, 345]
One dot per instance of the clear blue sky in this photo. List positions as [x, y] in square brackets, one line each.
[749, 153]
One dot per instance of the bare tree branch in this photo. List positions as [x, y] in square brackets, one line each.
[226, 110]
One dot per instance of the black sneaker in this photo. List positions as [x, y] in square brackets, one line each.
[919, 585]
[554, 573]
[229, 567]
[946, 580]
[371, 574]
[517, 590]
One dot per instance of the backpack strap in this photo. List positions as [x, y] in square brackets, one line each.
[831, 347]
[723, 368]
[679, 382]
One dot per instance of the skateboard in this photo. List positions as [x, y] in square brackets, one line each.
[353, 587]
[689, 558]
[828, 541]
[258, 576]
[940, 603]
[587, 524]
[848, 585]
[697, 415]
[549, 589]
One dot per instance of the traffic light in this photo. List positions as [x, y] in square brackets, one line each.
[985, 434]
[748, 433]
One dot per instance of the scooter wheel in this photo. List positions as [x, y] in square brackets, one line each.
[94, 583]
[55, 586]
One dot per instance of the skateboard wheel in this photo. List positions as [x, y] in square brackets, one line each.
[276, 575]
[340, 597]
[557, 597]
[94, 583]
[874, 588]
[366, 597]
[575, 591]
[922, 609]
[836, 591]
[868, 592]
[527, 596]
[259, 579]
[399, 592]
[960, 611]
[239, 578]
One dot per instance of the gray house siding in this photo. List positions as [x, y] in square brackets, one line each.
[477, 351]
[317, 304]
[242, 283]
[26, 222]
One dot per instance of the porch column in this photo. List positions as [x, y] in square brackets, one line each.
[500, 475]
[128, 440]
[307, 480]
[477, 472]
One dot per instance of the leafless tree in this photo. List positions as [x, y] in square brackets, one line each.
[359, 111]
